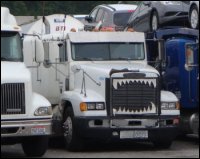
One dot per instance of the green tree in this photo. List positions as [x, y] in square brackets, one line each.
[20, 7]
[36, 8]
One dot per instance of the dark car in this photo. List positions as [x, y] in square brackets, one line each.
[109, 16]
[151, 15]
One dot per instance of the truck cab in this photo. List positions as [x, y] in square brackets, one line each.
[25, 116]
[181, 71]
[103, 87]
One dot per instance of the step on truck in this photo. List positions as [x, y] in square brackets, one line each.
[25, 116]
[102, 84]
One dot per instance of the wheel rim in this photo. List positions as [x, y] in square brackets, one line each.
[68, 129]
[194, 18]
[154, 23]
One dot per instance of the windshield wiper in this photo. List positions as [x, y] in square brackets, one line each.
[84, 58]
[122, 58]
[4, 59]
[10, 59]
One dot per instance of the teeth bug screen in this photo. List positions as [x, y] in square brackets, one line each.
[134, 96]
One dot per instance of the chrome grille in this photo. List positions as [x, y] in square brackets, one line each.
[12, 98]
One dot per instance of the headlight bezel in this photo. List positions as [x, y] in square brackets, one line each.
[43, 111]
[92, 106]
[170, 106]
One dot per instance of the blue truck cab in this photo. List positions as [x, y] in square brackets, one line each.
[175, 77]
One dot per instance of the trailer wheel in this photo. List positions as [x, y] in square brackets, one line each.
[35, 146]
[194, 17]
[72, 140]
[154, 23]
[162, 144]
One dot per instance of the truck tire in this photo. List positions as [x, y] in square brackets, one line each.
[162, 144]
[72, 140]
[35, 146]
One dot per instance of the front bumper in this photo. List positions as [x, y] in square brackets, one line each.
[102, 130]
[19, 128]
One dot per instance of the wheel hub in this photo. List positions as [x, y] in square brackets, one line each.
[194, 19]
[68, 129]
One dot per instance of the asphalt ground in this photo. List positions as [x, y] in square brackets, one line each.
[184, 147]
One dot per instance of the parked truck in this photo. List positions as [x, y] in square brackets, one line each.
[26, 117]
[102, 85]
[180, 71]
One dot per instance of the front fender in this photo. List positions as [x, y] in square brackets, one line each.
[167, 96]
[76, 97]
[39, 101]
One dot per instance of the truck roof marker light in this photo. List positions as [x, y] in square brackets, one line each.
[83, 106]
[95, 30]
[16, 27]
[130, 30]
[73, 30]
[131, 11]
[107, 29]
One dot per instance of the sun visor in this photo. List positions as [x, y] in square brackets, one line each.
[85, 37]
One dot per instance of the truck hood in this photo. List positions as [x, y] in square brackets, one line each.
[96, 73]
[91, 79]
[105, 69]
[15, 72]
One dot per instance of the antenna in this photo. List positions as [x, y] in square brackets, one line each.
[64, 27]
[43, 16]
[43, 7]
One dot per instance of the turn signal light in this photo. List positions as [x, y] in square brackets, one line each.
[83, 107]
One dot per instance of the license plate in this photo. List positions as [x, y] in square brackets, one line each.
[137, 134]
[38, 130]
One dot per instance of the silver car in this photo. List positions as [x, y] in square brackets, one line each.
[151, 15]
[194, 14]
[110, 16]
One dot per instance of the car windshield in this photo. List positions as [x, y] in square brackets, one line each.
[121, 19]
[11, 49]
[107, 51]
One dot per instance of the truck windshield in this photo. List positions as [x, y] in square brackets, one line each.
[11, 49]
[107, 51]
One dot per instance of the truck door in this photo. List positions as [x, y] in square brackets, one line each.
[176, 78]
[192, 53]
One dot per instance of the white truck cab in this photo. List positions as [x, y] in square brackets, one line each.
[25, 116]
[103, 85]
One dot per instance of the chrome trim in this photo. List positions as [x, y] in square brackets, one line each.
[23, 127]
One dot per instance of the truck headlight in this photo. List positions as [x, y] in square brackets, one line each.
[169, 105]
[43, 111]
[87, 106]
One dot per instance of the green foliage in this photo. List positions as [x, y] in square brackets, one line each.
[36, 8]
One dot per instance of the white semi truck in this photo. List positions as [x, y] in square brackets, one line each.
[26, 117]
[102, 85]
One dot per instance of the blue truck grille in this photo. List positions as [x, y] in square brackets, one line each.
[12, 98]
